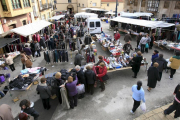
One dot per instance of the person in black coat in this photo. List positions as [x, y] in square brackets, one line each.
[90, 77]
[153, 76]
[136, 63]
[32, 45]
[162, 64]
[78, 58]
[26, 107]
[138, 39]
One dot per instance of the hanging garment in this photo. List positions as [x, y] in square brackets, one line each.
[46, 57]
[90, 58]
[38, 37]
[78, 44]
[51, 56]
[56, 56]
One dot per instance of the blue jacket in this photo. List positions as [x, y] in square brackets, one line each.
[154, 56]
[138, 95]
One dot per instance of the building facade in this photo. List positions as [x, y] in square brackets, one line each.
[160, 8]
[110, 5]
[14, 14]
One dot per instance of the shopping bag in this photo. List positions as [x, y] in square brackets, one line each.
[80, 88]
[147, 45]
[143, 107]
[36, 53]
[139, 47]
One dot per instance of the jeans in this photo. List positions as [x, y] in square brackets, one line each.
[102, 85]
[46, 103]
[174, 106]
[135, 74]
[173, 71]
[91, 88]
[12, 67]
[160, 75]
[142, 48]
[38, 53]
[73, 100]
[136, 105]
[1, 94]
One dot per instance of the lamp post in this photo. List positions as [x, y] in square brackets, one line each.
[116, 8]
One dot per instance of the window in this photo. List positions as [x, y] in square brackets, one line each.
[91, 24]
[153, 5]
[94, 4]
[24, 22]
[69, 1]
[143, 2]
[135, 2]
[177, 6]
[79, 4]
[4, 6]
[34, 11]
[98, 24]
[26, 3]
[128, 2]
[108, 4]
[82, 5]
[16, 4]
[166, 4]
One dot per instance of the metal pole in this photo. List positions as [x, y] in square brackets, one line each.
[116, 8]
[140, 6]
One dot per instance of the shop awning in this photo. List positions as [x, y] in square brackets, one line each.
[5, 41]
[136, 14]
[110, 13]
[85, 15]
[56, 17]
[31, 28]
[94, 9]
[145, 23]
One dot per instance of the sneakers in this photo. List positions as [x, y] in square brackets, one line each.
[131, 112]
[170, 78]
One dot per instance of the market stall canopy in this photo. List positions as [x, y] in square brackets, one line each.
[57, 17]
[110, 13]
[136, 14]
[5, 41]
[145, 23]
[85, 15]
[94, 9]
[31, 28]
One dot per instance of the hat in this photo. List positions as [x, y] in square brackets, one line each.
[58, 75]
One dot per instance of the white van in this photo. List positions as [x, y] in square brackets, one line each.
[94, 25]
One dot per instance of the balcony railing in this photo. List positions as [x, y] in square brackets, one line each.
[4, 8]
[45, 6]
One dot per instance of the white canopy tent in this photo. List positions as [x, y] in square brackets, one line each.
[56, 17]
[85, 15]
[145, 23]
[30, 28]
[110, 13]
[93, 9]
[136, 14]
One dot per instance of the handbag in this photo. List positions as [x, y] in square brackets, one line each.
[143, 107]
[147, 45]
[80, 88]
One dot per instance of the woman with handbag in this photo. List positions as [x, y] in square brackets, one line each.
[102, 75]
[26, 60]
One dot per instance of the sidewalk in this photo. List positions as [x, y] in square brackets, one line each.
[157, 114]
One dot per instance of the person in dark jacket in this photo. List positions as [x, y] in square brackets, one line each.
[153, 76]
[100, 60]
[78, 58]
[162, 64]
[136, 63]
[138, 39]
[25, 107]
[176, 104]
[28, 52]
[102, 71]
[32, 45]
[152, 41]
[127, 48]
[87, 40]
[72, 91]
[55, 84]
[155, 55]
[45, 93]
[90, 77]
[127, 37]
[42, 42]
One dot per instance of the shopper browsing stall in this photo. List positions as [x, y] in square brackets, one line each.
[37, 48]
[127, 48]
[28, 52]
[154, 56]
[100, 60]
[138, 39]
[78, 58]
[143, 43]
[127, 37]
[9, 61]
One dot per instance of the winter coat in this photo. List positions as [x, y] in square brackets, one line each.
[57, 83]
[32, 45]
[9, 60]
[42, 42]
[153, 76]
[26, 61]
[143, 40]
[27, 51]
[31, 112]
[127, 38]
[71, 88]
[90, 76]
[162, 63]
[101, 72]
[148, 40]
[87, 40]
[81, 78]
[136, 63]
[117, 36]
[5, 112]
[139, 38]
[44, 91]
[77, 59]
[127, 47]
[175, 62]
[154, 56]
[152, 40]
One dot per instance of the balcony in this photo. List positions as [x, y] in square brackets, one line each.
[45, 6]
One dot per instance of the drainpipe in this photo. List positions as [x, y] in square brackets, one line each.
[116, 8]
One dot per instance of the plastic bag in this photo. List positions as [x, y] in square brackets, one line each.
[139, 47]
[35, 53]
[143, 107]
[80, 88]
[147, 45]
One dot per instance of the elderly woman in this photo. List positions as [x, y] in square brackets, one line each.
[72, 91]
[56, 82]
[153, 76]
[102, 71]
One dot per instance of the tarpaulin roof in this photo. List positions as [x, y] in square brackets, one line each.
[31, 28]
[94, 9]
[110, 13]
[136, 14]
[5, 41]
[85, 15]
[57, 17]
[145, 23]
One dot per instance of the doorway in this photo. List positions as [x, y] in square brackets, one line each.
[70, 8]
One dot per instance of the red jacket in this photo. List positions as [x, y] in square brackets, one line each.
[117, 36]
[101, 72]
